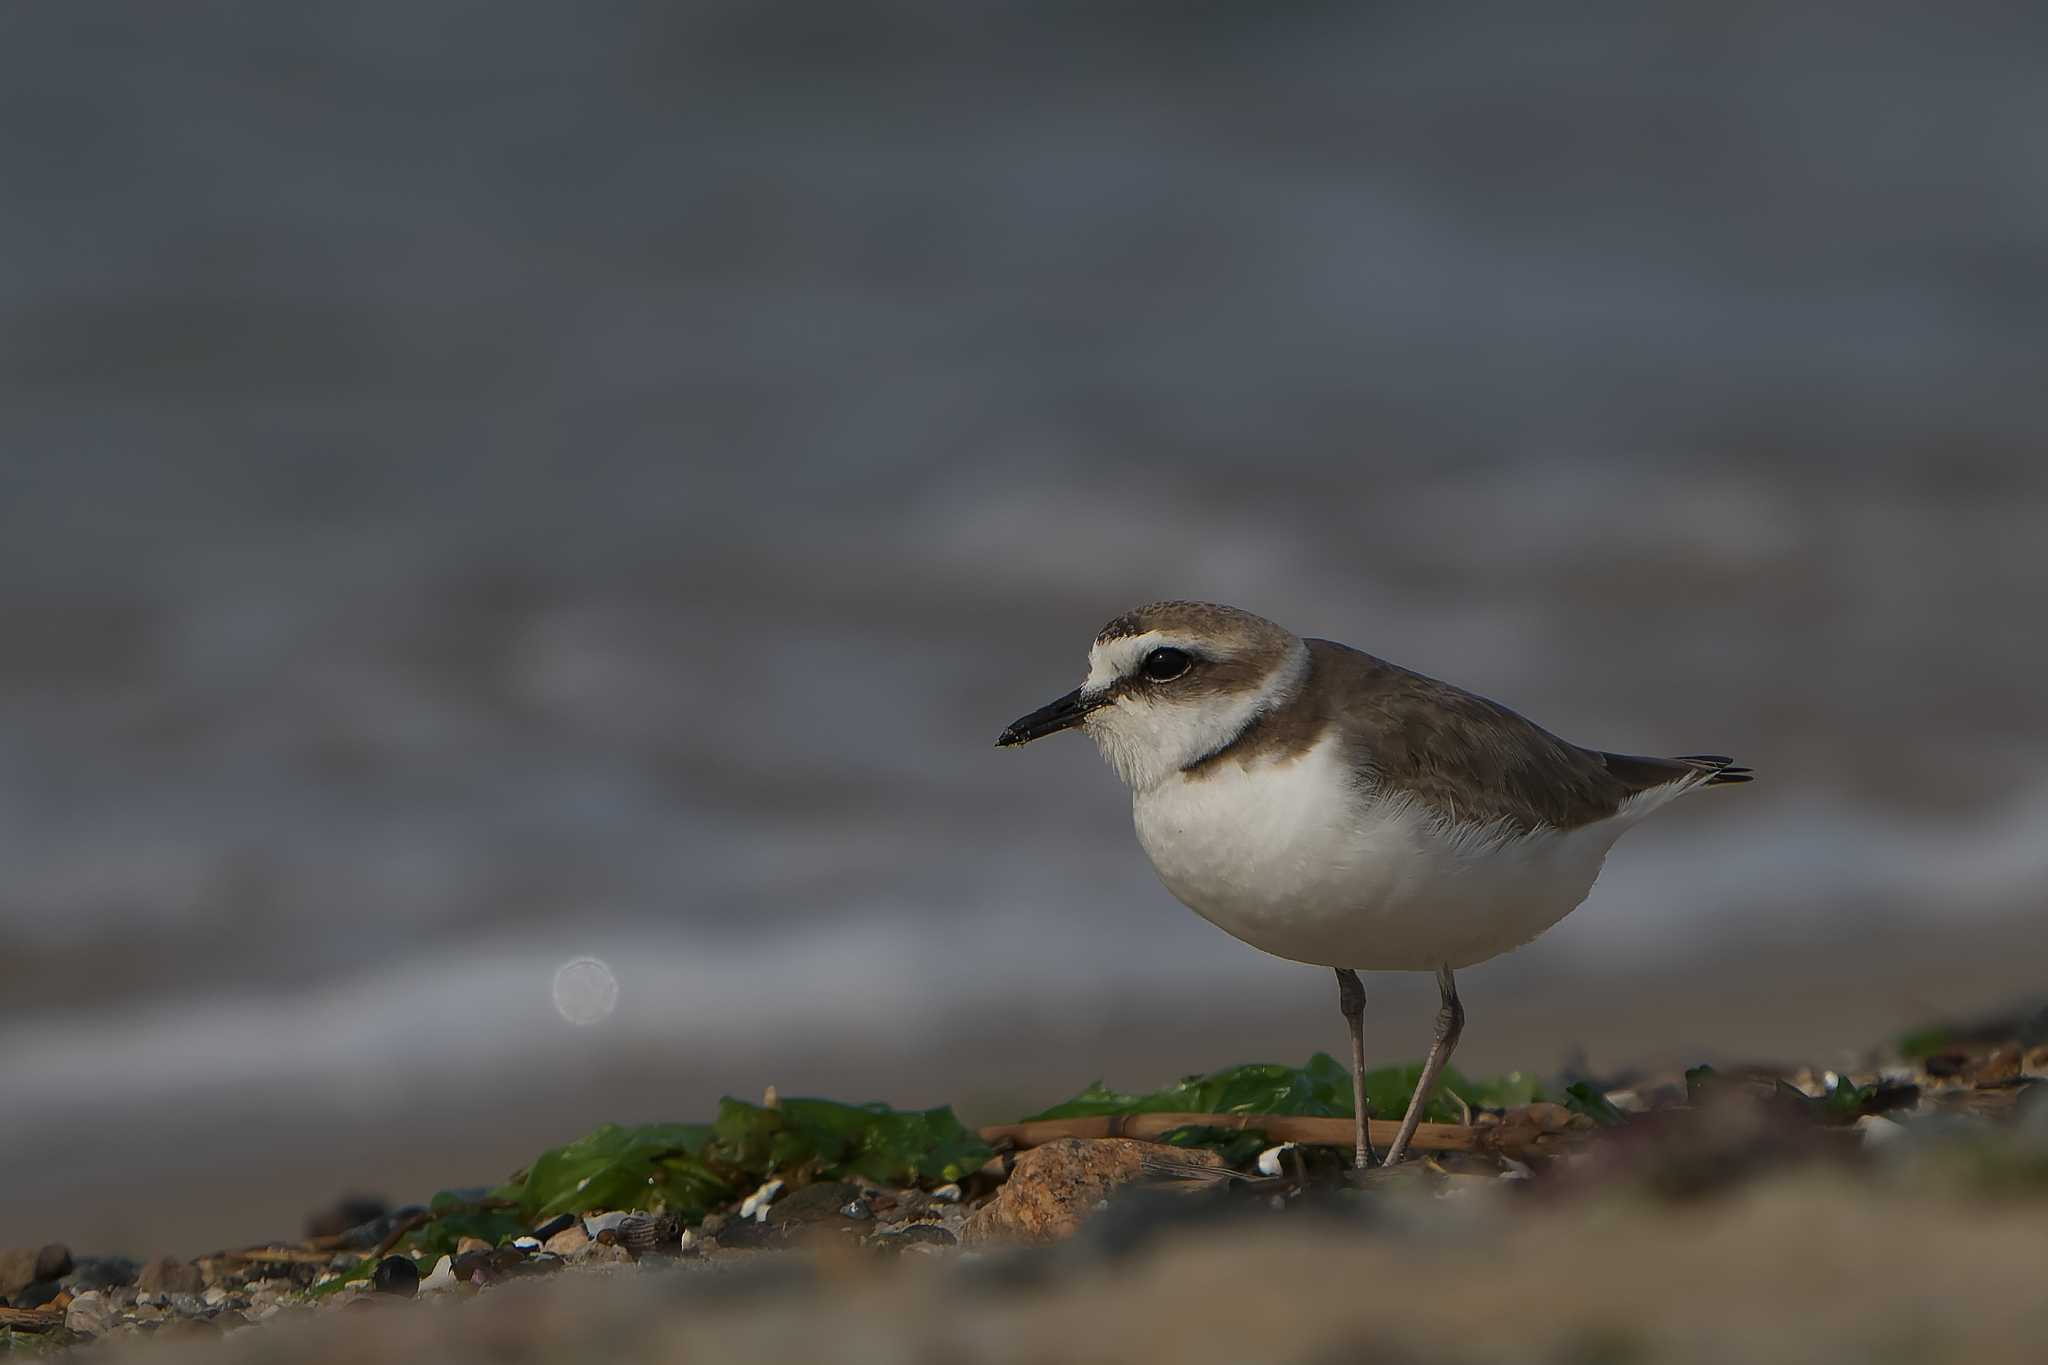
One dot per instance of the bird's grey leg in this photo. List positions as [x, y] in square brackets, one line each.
[1351, 999]
[1450, 1022]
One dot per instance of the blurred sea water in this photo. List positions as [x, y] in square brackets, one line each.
[483, 487]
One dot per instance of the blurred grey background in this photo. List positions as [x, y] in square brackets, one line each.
[482, 484]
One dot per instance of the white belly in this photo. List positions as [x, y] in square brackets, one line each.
[1290, 858]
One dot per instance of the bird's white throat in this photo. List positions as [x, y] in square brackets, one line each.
[1149, 740]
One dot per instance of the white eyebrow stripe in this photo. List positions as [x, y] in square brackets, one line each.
[1114, 659]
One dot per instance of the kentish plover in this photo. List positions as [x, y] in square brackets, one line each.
[1332, 808]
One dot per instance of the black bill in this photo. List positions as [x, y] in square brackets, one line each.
[1063, 714]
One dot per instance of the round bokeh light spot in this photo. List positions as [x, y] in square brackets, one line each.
[586, 992]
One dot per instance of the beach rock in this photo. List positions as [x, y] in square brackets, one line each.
[824, 1202]
[167, 1275]
[560, 1223]
[466, 1266]
[89, 1314]
[1055, 1187]
[567, 1241]
[398, 1275]
[18, 1269]
[53, 1262]
[101, 1272]
[465, 1245]
[603, 1253]
[37, 1294]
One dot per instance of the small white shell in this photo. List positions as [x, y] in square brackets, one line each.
[755, 1205]
[442, 1279]
[1269, 1160]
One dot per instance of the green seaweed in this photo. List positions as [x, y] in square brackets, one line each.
[690, 1169]
[616, 1167]
[1319, 1088]
[1237, 1146]
[1926, 1042]
[884, 1145]
[1582, 1098]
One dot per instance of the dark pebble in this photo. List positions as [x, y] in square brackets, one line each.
[398, 1275]
[546, 1263]
[822, 1202]
[504, 1258]
[101, 1272]
[37, 1294]
[468, 1263]
[561, 1222]
[53, 1262]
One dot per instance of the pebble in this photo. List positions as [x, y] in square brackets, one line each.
[37, 1294]
[560, 1223]
[167, 1275]
[398, 1275]
[568, 1241]
[101, 1272]
[1055, 1187]
[822, 1202]
[527, 1244]
[602, 1253]
[948, 1193]
[17, 1271]
[466, 1245]
[468, 1263]
[89, 1314]
[443, 1278]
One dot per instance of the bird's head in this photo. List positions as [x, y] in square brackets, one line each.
[1170, 684]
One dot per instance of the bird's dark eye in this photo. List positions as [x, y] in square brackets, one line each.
[1164, 665]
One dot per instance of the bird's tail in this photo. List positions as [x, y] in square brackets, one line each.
[1720, 768]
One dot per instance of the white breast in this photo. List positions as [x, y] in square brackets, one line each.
[1293, 858]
